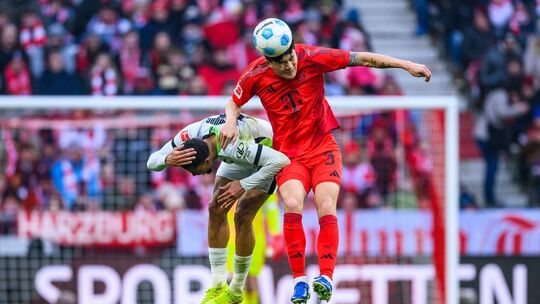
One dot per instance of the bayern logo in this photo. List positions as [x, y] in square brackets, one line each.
[272, 37]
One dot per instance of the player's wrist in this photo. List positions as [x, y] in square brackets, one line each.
[165, 160]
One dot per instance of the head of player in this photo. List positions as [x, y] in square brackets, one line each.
[283, 61]
[285, 65]
[202, 164]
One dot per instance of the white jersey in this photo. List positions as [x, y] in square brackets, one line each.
[252, 150]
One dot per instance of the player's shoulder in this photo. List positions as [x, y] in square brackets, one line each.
[256, 68]
[311, 52]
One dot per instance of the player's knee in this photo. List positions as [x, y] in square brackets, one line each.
[243, 217]
[215, 210]
[292, 204]
[326, 206]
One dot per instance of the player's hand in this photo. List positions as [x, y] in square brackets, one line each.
[180, 157]
[231, 192]
[419, 70]
[227, 134]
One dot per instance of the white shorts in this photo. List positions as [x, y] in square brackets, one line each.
[237, 172]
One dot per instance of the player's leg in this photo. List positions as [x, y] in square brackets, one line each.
[218, 237]
[246, 209]
[294, 184]
[326, 183]
[326, 194]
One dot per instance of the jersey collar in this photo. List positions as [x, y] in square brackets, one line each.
[215, 131]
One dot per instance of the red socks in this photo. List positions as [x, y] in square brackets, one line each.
[295, 241]
[327, 244]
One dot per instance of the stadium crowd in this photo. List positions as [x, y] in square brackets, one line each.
[176, 47]
[493, 48]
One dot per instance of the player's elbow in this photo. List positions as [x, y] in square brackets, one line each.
[151, 162]
[283, 161]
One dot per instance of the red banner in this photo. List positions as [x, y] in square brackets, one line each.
[122, 229]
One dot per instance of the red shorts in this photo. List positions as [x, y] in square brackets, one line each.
[322, 164]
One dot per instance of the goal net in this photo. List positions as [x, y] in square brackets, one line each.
[83, 220]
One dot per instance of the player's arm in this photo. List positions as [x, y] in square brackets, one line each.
[270, 162]
[229, 131]
[170, 155]
[380, 61]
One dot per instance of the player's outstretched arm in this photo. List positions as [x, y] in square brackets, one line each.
[383, 62]
[229, 131]
[168, 156]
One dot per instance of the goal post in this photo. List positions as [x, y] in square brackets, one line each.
[441, 130]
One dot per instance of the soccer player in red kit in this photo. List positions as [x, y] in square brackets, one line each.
[291, 88]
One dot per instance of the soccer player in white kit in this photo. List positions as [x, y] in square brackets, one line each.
[246, 174]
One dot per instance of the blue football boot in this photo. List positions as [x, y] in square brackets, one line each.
[323, 288]
[301, 293]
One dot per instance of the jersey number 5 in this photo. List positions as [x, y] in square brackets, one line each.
[291, 101]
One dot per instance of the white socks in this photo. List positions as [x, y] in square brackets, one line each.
[300, 279]
[218, 265]
[241, 269]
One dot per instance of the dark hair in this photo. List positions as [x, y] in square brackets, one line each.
[280, 57]
[201, 148]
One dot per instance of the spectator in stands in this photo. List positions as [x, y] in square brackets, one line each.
[147, 203]
[105, 80]
[359, 177]
[493, 135]
[160, 21]
[477, 39]
[8, 44]
[75, 175]
[60, 41]
[382, 156]
[197, 87]
[109, 27]
[218, 72]
[500, 12]
[532, 58]
[8, 214]
[89, 49]
[530, 161]
[56, 80]
[160, 50]
[33, 37]
[130, 59]
[58, 12]
[17, 76]
[130, 148]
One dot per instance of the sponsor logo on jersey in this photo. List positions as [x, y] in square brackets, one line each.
[216, 120]
[240, 150]
[238, 91]
[184, 135]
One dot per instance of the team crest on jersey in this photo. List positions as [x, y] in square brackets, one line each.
[184, 135]
[240, 150]
[238, 91]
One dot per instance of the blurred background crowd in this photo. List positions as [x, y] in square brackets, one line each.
[162, 47]
[493, 51]
[177, 47]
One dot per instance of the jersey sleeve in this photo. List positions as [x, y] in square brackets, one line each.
[269, 160]
[329, 59]
[156, 161]
[243, 91]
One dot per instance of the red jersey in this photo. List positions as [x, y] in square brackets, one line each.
[296, 108]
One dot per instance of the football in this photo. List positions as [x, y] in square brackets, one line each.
[272, 37]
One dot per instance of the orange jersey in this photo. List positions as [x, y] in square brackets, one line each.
[296, 108]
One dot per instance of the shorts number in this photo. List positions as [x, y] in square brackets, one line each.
[331, 159]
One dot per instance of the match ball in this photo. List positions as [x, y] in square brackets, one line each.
[272, 37]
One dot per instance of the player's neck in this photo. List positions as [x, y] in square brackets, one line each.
[211, 141]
